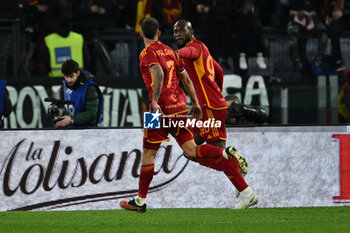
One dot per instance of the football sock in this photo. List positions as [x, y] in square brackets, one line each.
[145, 179]
[247, 192]
[210, 163]
[209, 151]
[140, 201]
[232, 171]
[230, 168]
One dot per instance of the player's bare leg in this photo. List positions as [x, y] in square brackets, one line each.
[198, 139]
[218, 143]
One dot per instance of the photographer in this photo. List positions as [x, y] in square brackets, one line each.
[5, 103]
[240, 114]
[86, 95]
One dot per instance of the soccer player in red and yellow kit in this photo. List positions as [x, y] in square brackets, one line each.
[207, 77]
[161, 70]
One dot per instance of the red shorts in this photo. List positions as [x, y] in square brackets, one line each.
[212, 134]
[152, 138]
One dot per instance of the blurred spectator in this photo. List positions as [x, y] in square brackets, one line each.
[144, 10]
[214, 22]
[5, 103]
[107, 14]
[304, 20]
[80, 12]
[167, 12]
[270, 13]
[284, 12]
[338, 20]
[8, 11]
[62, 45]
[131, 8]
[171, 12]
[249, 29]
[91, 19]
[39, 19]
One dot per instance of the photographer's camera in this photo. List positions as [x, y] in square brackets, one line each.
[57, 109]
[238, 113]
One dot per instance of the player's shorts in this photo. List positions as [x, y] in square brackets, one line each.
[212, 133]
[152, 138]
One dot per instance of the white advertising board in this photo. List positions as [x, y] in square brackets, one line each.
[96, 168]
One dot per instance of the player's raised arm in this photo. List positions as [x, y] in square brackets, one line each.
[191, 52]
[196, 110]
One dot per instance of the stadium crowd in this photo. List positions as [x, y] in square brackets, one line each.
[231, 29]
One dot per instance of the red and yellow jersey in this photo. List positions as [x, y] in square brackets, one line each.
[172, 99]
[205, 73]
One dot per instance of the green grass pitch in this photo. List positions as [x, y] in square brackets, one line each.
[305, 220]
